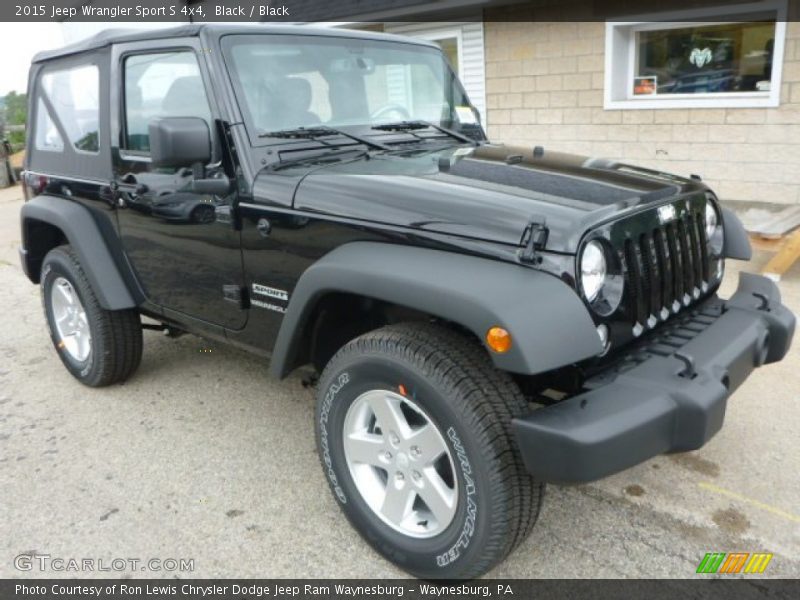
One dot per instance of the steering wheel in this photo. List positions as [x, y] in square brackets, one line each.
[389, 108]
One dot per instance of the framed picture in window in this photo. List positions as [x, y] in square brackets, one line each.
[645, 86]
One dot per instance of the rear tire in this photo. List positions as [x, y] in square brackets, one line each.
[99, 347]
[431, 376]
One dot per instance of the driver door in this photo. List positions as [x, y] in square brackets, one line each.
[181, 244]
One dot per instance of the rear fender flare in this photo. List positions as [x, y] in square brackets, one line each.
[549, 324]
[83, 234]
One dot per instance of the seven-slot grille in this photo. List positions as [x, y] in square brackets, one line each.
[666, 268]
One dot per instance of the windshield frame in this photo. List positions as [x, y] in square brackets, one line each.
[259, 140]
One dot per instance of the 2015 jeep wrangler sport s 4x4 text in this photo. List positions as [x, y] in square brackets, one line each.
[484, 318]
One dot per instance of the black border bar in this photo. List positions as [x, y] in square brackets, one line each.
[700, 587]
[308, 11]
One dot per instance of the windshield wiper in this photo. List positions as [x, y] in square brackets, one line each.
[417, 124]
[330, 156]
[313, 133]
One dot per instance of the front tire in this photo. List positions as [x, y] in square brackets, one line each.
[99, 347]
[413, 431]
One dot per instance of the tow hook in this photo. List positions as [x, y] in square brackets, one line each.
[688, 371]
[764, 301]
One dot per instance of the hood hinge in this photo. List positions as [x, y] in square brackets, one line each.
[534, 238]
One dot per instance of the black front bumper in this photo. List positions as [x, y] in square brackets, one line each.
[668, 396]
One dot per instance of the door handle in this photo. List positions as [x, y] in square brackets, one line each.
[129, 185]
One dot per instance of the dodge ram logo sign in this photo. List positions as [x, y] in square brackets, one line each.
[699, 58]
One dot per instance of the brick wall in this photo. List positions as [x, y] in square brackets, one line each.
[544, 86]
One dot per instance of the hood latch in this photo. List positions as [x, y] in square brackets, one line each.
[534, 238]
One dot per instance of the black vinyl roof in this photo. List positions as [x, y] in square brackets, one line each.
[115, 36]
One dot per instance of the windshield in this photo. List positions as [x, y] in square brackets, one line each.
[289, 81]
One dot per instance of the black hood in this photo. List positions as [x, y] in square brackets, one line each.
[489, 193]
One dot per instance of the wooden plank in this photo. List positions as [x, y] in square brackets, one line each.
[767, 245]
[785, 258]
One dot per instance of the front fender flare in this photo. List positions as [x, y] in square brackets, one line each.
[83, 234]
[736, 244]
[549, 324]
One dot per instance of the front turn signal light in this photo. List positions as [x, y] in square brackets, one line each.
[498, 339]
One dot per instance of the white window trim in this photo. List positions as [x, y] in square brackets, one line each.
[432, 35]
[619, 34]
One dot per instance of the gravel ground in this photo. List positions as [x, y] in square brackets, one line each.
[202, 456]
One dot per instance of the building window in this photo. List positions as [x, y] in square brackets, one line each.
[663, 64]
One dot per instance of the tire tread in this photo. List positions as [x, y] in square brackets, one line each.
[120, 331]
[489, 399]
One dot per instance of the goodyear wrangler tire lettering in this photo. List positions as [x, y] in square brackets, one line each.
[449, 380]
[472, 508]
[334, 389]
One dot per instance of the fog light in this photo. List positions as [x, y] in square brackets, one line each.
[498, 339]
[602, 333]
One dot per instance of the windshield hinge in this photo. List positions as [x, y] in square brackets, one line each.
[534, 238]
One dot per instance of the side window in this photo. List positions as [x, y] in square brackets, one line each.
[75, 97]
[47, 136]
[161, 85]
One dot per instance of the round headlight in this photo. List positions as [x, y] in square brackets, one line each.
[711, 220]
[593, 269]
[715, 233]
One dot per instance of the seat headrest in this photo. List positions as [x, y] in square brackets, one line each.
[298, 93]
[186, 97]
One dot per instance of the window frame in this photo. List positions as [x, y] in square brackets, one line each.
[620, 58]
[119, 52]
[141, 155]
[226, 42]
[72, 163]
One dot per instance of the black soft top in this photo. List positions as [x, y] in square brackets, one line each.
[114, 36]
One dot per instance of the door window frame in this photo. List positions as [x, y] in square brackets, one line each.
[94, 166]
[118, 113]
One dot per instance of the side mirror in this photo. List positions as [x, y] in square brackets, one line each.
[179, 142]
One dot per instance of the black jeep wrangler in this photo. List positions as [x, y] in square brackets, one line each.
[483, 318]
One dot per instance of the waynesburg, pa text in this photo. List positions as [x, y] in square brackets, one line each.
[189, 590]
